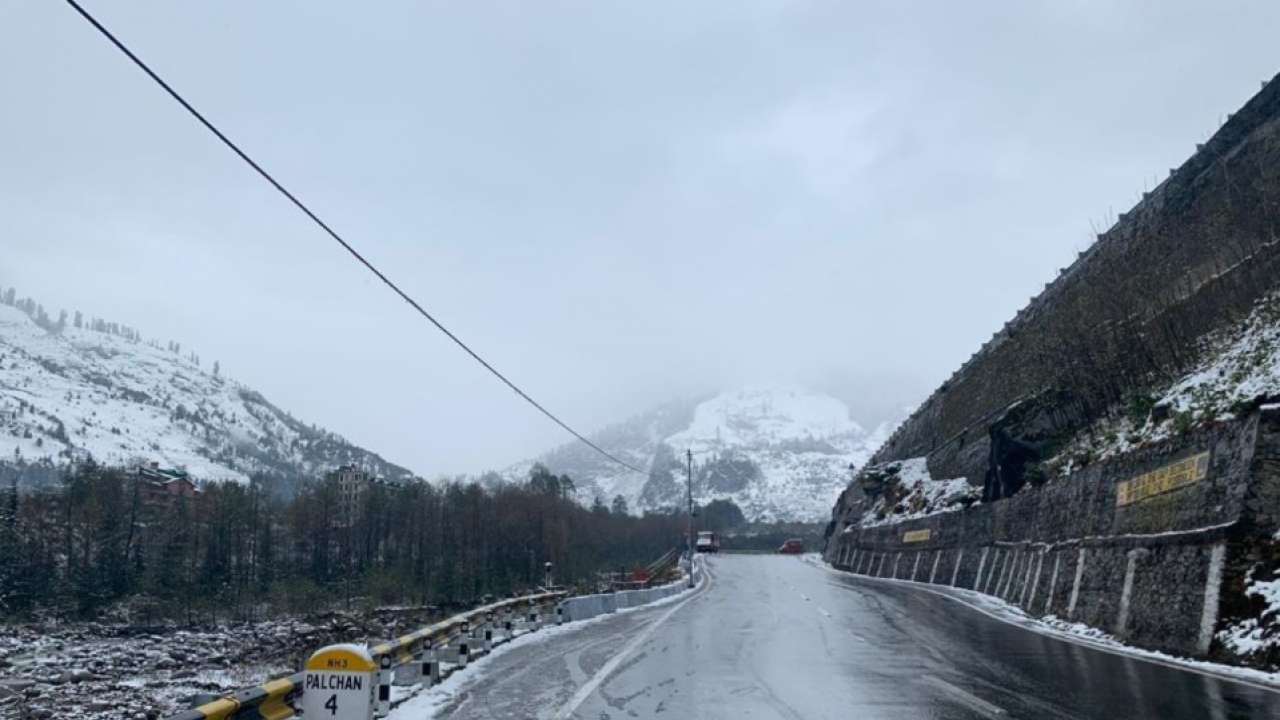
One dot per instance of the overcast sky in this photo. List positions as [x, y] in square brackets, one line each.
[617, 203]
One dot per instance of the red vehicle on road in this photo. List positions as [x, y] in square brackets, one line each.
[794, 546]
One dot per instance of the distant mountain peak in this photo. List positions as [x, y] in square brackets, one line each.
[780, 452]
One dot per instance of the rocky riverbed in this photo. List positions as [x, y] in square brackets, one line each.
[99, 671]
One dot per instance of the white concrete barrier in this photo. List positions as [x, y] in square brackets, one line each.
[585, 607]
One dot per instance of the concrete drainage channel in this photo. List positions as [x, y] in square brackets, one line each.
[354, 682]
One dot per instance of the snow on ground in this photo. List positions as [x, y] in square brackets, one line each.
[1245, 365]
[1259, 634]
[918, 495]
[98, 671]
[1239, 365]
[430, 703]
[77, 393]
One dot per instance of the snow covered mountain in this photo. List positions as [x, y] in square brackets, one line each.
[780, 453]
[70, 391]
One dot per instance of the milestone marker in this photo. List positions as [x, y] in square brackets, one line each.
[339, 683]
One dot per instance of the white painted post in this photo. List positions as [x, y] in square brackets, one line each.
[955, 573]
[384, 688]
[896, 558]
[1075, 586]
[982, 562]
[1126, 592]
[1053, 583]
[430, 665]
[1004, 569]
[339, 683]
[1011, 573]
[934, 572]
[1026, 581]
[915, 567]
[1035, 584]
[1212, 590]
[991, 571]
[853, 564]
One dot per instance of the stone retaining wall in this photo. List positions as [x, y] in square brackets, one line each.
[1153, 571]
[1191, 257]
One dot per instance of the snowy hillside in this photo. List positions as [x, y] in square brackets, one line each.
[780, 453]
[69, 392]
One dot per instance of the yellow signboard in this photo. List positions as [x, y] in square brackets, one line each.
[915, 536]
[1187, 471]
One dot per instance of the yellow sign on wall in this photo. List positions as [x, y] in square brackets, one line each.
[1187, 471]
[915, 536]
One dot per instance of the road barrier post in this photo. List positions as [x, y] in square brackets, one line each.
[464, 650]
[384, 687]
[477, 642]
[338, 683]
[430, 665]
[489, 624]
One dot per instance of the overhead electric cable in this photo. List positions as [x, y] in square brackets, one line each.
[345, 245]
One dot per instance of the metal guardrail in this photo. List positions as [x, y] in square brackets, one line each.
[453, 641]
[421, 657]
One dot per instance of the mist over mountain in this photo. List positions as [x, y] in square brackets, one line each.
[778, 452]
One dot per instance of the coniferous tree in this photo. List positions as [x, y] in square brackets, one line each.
[619, 505]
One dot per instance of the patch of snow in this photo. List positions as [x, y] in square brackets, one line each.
[761, 416]
[431, 702]
[1259, 634]
[802, 443]
[77, 393]
[924, 496]
[1238, 365]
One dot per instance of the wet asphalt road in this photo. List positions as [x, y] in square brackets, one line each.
[778, 637]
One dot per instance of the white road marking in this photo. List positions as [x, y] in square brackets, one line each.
[607, 669]
[968, 698]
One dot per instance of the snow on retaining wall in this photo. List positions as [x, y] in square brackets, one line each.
[1159, 571]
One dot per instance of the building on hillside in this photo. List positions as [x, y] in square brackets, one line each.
[352, 485]
[163, 488]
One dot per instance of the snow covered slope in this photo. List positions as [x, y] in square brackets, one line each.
[71, 393]
[780, 453]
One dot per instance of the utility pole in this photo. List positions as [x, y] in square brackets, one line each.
[689, 485]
